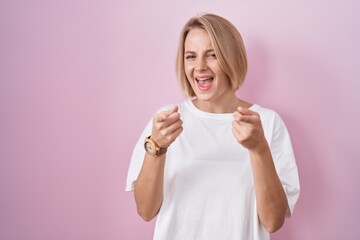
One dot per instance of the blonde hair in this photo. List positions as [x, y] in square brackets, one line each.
[228, 46]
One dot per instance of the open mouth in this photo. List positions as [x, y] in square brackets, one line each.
[204, 83]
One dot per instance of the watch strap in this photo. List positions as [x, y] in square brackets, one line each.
[161, 151]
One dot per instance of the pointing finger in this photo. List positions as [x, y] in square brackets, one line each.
[169, 112]
[246, 111]
[162, 116]
[172, 110]
[245, 118]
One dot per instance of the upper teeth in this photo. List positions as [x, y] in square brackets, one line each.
[203, 79]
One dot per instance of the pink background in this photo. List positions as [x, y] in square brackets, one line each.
[79, 80]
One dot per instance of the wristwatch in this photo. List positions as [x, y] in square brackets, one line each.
[152, 148]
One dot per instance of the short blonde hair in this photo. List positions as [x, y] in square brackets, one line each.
[228, 46]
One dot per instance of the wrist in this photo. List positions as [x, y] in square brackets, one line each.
[152, 148]
[261, 148]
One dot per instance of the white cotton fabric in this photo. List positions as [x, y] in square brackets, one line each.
[208, 182]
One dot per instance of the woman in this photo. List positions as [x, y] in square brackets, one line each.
[215, 166]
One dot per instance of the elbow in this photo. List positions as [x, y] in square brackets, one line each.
[274, 226]
[146, 218]
[275, 219]
[145, 215]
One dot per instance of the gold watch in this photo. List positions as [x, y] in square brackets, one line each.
[152, 148]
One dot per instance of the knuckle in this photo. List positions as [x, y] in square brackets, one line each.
[157, 126]
[180, 123]
[163, 133]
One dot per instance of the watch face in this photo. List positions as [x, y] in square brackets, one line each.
[150, 148]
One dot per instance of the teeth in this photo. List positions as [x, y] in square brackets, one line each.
[204, 79]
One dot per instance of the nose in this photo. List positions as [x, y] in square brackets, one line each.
[201, 65]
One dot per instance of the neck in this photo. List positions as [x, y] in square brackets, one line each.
[228, 105]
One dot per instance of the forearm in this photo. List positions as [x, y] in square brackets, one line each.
[149, 186]
[270, 195]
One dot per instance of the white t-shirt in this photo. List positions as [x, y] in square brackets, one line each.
[208, 181]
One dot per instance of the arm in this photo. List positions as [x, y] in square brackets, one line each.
[270, 196]
[148, 189]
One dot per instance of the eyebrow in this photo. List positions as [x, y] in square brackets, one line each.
[189, 52]
[192, 52]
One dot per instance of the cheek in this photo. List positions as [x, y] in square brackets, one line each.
[221, 74]
[188, 71]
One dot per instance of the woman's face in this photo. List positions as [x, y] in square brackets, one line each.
[202, 68]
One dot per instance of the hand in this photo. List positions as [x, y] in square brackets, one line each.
[167, 126]
[247, 129]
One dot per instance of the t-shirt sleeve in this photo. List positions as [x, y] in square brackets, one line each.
[137, 158]
[284, 159]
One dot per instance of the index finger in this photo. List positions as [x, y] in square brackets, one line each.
[246, 111]
[165, 114]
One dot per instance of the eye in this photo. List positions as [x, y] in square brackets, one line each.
[189, 57]
[212, 55]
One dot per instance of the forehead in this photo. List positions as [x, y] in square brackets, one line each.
[197, 38]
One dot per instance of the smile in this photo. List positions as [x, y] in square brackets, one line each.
[204, 83]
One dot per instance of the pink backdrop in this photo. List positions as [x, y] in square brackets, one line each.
[79, 80]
